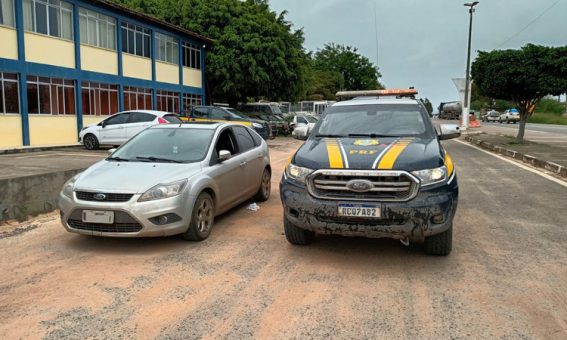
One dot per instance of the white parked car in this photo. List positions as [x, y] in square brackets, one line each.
[509, 116]
[302, 120]
[120, 127]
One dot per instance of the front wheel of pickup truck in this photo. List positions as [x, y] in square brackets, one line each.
[296, 235]
[440, 244]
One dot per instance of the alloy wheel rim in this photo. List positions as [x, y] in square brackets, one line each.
[204, 216]
[89, 142]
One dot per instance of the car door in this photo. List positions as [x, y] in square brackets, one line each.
[229, 174]
[113, 129]
[252, 155]
[138, 122]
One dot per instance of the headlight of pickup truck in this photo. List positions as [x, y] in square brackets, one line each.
[257, 126]
[297, 173]
[431, 176]
[162, 191]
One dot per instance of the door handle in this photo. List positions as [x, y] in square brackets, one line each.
[243, 163]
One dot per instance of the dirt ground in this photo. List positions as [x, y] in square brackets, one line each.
[506, 277]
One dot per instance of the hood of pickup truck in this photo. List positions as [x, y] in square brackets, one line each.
[404, 153]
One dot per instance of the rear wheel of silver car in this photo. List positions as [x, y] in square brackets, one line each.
[440, 244]
[296, 235]
[202, 219]
[91, 142]
[263, 193]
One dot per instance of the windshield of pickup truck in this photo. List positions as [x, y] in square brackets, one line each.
[375, 120]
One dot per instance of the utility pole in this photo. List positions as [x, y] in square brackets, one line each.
[467, 104]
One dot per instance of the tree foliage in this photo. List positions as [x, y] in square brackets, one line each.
[523, 76]
[256, 51]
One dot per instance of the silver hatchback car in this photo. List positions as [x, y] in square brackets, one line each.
[169, 179]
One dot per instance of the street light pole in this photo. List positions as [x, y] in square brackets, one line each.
[466, 104]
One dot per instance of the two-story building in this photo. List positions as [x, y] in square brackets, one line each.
[65, 64]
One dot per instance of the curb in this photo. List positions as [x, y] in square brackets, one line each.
[557, 169]
[27, 149]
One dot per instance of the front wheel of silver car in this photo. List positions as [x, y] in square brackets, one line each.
[440, 244]
[202, 219]
[263, 193]
[296, 235]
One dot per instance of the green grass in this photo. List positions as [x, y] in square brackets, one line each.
[548, 118]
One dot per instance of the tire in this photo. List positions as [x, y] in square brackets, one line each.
[263, 193]
[296, 235]
[440, 244]
[202, 219]
[500, 121]
[90, 142]
[507, 121]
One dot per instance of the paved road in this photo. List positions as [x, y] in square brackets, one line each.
[557, 129]
[506, 278]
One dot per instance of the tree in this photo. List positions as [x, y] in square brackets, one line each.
[349, 69]
[256, 52]
[523, 76]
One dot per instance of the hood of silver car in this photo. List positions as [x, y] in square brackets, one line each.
[132, 177]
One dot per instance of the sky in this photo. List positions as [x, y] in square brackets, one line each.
[424, 43]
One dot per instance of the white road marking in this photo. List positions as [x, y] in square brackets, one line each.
[525, 167]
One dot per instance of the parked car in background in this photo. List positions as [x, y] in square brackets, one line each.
[226, 114]
[491, 116]
[509, 116]
[301, 132]
[169, 179]
[302, 120]
[261, 108]
[120, 127]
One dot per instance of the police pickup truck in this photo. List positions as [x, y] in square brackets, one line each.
[373, 166]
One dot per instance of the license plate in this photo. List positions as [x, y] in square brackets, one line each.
[364, 211]
[97, 216]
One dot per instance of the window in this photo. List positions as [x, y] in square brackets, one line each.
[7, 12]
[168, 101]
[9, 94]
[200, 112]
[173, 119]
[191, 100]
[117, 119]
[167, 49]
[244, 139]
[218, 114]
[50, 17]
[141, 117]
[191, 56]
[136, 98]
[135, 40]
[97, 29]
[51, 96]
[99, 99]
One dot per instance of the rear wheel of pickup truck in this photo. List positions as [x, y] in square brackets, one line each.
[296, 235]
[440, 244]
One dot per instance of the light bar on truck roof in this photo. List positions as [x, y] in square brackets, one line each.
[378, 93]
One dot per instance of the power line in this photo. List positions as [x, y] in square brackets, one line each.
[530, 23]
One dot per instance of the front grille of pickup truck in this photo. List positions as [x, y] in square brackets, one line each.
[391, 186]
[123, 223]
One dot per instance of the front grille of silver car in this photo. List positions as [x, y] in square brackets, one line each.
[123, 223]
[387, 185]
[91, 196]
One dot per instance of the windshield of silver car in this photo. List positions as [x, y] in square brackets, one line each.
[165, 145]
[375, 120]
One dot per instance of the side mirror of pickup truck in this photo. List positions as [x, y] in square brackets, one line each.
[449, 131]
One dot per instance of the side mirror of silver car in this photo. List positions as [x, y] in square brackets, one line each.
[449, 131]
[224, 155]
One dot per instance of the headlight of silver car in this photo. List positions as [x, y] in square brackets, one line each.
[162, 191]
[69, 186]
[257, 126]
[431, 176]
[298, 173]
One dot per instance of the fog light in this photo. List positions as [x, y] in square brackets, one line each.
[438, 219]
[165, 219]
[162, 220]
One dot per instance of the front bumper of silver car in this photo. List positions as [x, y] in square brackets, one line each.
[164, 217]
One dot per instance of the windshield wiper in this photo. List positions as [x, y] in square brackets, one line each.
[371, 135]
[329, 136]
[118, 159]
[157, 159]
